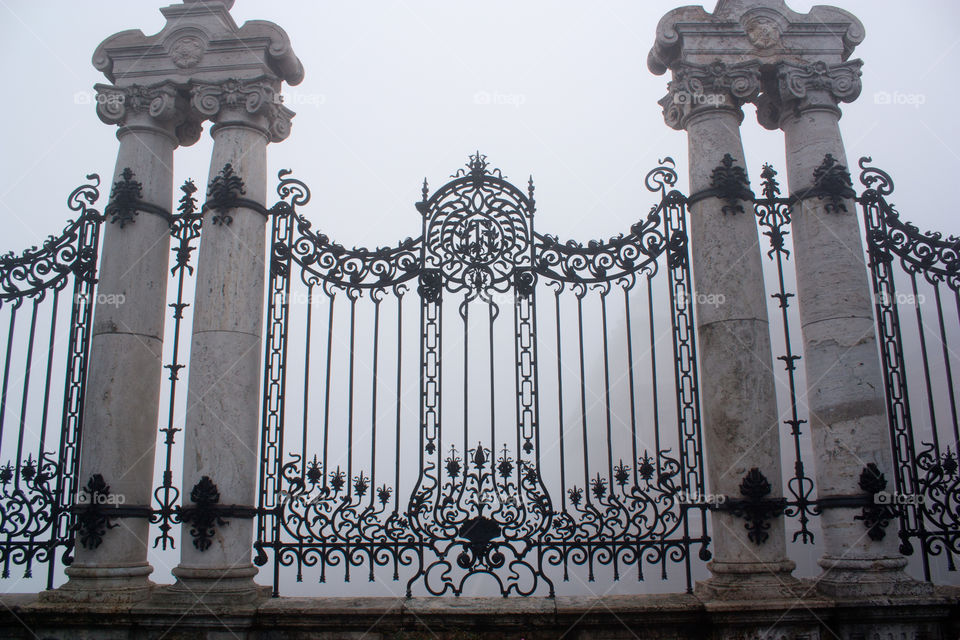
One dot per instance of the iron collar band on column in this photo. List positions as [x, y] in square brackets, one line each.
[727, 182]
[207, 513]
[98, 507]
[755, 507]
[831, 180]
[126, 201]
[225, 192]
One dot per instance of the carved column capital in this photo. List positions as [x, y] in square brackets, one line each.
[801, 87]
[158, 107]
[698, 88]
[256, 103]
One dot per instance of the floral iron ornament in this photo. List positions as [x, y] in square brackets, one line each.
[831, 181]
[729, 182]
[755, 507]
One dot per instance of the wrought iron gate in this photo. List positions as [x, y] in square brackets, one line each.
[546, 441]
[39, 435]
[916, 281]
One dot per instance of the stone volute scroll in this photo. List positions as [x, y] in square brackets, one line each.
[702, 87]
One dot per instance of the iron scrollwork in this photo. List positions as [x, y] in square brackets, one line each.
[476, 510]
[924, 471]
[478, 230]
[38, 489]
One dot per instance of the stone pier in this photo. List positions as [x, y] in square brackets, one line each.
[223, 405]
[844, 380]
[740, 422]
[200, 66]
[803, 65]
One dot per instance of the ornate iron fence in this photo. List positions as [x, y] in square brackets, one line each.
[546, 439]
[540, 434]
[916, 281]
[39, 435]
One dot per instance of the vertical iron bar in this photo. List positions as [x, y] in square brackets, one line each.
[6, 368]
[946, 363]
[926, 364]
[49, 372]
[583, 397]
[307, 341]
[373, 401]
[26, 391]
[332, 295]
[493, 414]
[562, 425]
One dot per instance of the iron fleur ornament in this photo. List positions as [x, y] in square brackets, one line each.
[204, 516]
[92, 519]
[755, 507]
[125, 199]
[876, 515]
[729, 182]
[832, 180]
[223, 193]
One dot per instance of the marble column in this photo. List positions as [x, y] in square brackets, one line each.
[123, 397]
[740, 421]
[223, 404]
[844, 379]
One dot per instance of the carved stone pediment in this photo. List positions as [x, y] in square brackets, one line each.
[744, 30]
[200, 42]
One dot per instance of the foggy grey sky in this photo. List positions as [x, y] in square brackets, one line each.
[390, 96]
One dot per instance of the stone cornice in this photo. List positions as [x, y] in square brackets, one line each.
[698, 88]
[256, 102]
[200, 41]
[742, 30]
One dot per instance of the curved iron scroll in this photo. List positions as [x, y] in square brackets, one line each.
[480, 508]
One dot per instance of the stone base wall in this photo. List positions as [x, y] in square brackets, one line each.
[649, 617]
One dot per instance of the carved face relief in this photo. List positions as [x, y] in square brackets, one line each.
[187, 51]
[763, 33]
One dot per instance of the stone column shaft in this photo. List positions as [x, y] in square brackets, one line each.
[740, 421]
[123, 386]
[223, 404]
[844, 380]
